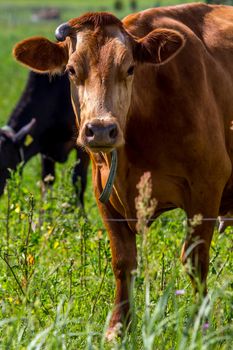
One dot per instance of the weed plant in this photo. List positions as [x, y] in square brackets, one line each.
[56, 283]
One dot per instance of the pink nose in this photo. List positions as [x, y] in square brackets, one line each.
[98, 135]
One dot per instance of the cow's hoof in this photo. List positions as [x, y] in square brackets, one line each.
[114, 332]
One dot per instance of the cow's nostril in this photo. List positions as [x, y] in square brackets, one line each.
[88, 131]
[113, 132]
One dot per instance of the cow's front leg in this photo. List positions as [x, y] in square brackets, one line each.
[48, 170]
[195, 255]
[195, 252]
[123, 248]
[124, 261]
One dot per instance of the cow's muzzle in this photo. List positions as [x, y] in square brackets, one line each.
[101, 136]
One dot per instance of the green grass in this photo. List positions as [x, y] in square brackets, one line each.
[56, 282]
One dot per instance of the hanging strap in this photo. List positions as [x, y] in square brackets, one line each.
[104, 197]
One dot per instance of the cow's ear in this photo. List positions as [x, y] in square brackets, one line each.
[42, 55]
[159, 46]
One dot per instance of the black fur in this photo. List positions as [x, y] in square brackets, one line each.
[47, 99]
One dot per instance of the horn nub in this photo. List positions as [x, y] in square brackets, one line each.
[62, 31]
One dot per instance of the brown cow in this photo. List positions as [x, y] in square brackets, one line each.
[158, 87]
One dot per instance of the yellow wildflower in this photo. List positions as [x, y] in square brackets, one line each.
[17, 208]
[30, 259]
[56, 244]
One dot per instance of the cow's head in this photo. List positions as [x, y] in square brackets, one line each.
[101, 58]
[11, 150]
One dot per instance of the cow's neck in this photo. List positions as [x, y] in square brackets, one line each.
[151, 115]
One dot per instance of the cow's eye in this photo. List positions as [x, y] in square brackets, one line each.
[130, 71]
[70, 70]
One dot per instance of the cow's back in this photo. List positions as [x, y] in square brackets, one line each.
[212, 24]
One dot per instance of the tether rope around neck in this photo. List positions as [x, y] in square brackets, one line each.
[104, 197]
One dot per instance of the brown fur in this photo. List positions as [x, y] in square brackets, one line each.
[164, 42]
[47, 56]
[173, 120]
[96, 20]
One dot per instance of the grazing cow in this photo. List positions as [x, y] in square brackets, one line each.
[157, 88]
[45, 112]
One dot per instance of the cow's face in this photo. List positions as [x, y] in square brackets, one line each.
[101, 69]
[100, 57]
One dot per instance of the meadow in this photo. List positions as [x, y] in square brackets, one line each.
[56, 282]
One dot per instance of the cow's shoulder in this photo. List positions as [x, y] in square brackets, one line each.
[208, 22]
[191, 15]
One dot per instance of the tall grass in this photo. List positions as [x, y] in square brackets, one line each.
[56, 284]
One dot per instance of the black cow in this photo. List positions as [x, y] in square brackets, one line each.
[45, 112]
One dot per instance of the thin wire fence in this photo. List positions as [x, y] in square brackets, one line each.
[153, 220]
